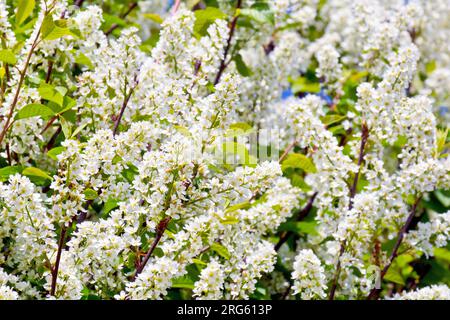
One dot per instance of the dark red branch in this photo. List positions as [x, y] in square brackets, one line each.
[79, 3]
[52, 140]
[300, 216]
[375, 292]
[49, 71]
[228, 46]
[160, 229]
[364, 138]
[123, 16]
[55, 268]
[122, 110]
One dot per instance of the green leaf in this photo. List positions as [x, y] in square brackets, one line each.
[239, 150]
[430, 66]
[53, 153]
[442, 198]
[204, 18]
[58, 32]
[298, 181]
[220, 250]
[241, 66]
[35, 172]
[84, 60]
[191, 3]
[302, 84]
[299, 161]
[199, 262]
[154, 17]
[393, 275]
[441, 140]
[49, 92]
[47, 26]
[183, 130]
[8, 171]
[242, 205]
[66, 127]
[332, 119]
[24, 10]
[259, 14]
[110, 205]
[90, 194]
[7, 56]
[299, 227]
[34, 110]
[229, 220]
[238, 129]
[2, 73]
[78, 130]
[442, 254]
[183, 282]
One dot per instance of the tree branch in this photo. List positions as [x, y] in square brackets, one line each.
[364, 138]
[300, 216]
[176, 6]
[55, 269]
[123, 16]
[160, 229]
[79, 3]
[122, 110]
[19, 87]
[228, 46]
[375, 292]
[286, 151]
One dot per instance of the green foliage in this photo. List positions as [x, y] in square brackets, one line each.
[34, 110]
[204, 18]
[24, 10]
[300, 161]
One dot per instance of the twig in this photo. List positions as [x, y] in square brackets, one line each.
[287, 150]
[8, 153]
[228, 46]
[79, 3]
[122, 110]
[123, 16]
[49, 71]
[374, 293]
[176, 6]
[52, 140]
[300, 216]
[19, 87]
[160, 229]
[364, 138]
[55, 269]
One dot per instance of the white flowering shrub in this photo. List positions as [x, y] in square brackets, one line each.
[238, 149]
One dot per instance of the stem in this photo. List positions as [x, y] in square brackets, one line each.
[364, 138]
[374, 293]
[122, 110]
[19, 87]
[301, 215]
[52, 140]
[176, 6]
[162, 226]
[115, 25]
[79, 3]
[228, 46]
[49, 71]
[58, 259]
[286, 151]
